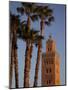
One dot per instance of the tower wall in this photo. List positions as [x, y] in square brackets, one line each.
[50, 65]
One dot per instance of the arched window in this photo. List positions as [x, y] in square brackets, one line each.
[48, 49]
[47, 70]
[50, 70]
[49, 81]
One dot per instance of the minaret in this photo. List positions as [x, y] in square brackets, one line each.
[50, 64]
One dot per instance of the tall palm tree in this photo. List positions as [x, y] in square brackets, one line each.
[33, 37]
[14, 21]
[45, 15]
[28, 9]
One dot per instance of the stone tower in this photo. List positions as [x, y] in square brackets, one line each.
[50, 64]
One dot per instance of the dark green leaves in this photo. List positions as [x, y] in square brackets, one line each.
[47, 23]
[28, 8]
[34, 17]
[51, 19]
[20, 10]
[14, 22]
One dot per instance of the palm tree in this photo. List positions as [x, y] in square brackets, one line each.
[28, 9]
[33, 38]
[45, 15]
[14, 21]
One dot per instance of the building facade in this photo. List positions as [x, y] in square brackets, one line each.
[50, 64]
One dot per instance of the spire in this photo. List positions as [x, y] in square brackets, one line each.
[50, 44]
[50, 36]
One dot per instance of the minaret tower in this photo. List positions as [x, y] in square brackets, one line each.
[50, 64]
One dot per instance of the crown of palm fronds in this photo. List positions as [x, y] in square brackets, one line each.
[14, 19]
[38, 38]
[14, 22]
[28, 9]
[45, 13]
[32, 35]
[25, 35]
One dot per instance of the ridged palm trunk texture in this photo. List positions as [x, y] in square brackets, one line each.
[39, 53]
[14, 62]
[11, 69]
[27, 66]
[16, 69]
[37, 64]
[27, 59]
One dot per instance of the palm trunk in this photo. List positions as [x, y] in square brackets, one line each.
[27, 58]
[15, 60]
[31, 49]
[16, 69]
[42, 27]
[27, 66]
[11, 63]
[11, 68]
[39, 53]
[37, 64]
[28, 24]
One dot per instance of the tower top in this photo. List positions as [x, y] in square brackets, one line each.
[50, 44]
[50, 37]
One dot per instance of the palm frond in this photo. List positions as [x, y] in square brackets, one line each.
[34, 31]
[20, 10]
[51, 19]
[25, 4]
[49, 12]
[14, 20]
[34, 17]
[46, 7]
[38, 37]
[47, 23]
[29, 7]
[37, 9]
[23, 22]
[31, 35]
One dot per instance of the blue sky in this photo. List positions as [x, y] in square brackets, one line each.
[57, 30]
